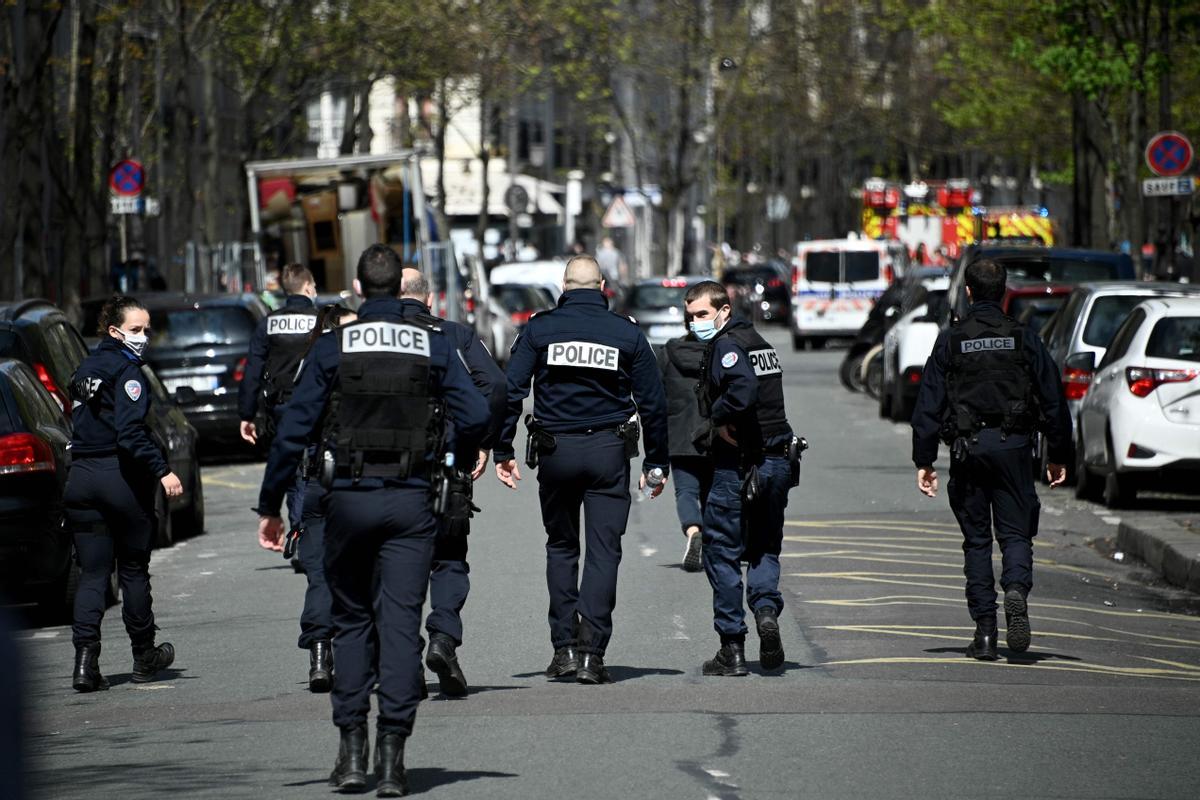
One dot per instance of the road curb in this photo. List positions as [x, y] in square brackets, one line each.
[1160, 541]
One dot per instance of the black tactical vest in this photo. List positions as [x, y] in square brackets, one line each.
[989, 382]
[769, 410]
[288, 332]
[684, 365]
[387, 418]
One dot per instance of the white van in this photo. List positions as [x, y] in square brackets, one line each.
[834, 284]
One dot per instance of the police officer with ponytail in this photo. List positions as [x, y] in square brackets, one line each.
[756, 461]
[985, 390]
[403, 397]
[117, 471]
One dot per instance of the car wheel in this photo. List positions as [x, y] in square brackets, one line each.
[798, 342]
[872, 374]
[848, 373]
[1085, 482]
[886, 398]
[189, 521]
[1119, 491]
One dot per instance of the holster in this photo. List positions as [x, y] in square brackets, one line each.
[540, 442]
[751, 487]
[960, 449]
[327, 469]
[292, 540]
[454, 494]
[629, 433]
[795, 453]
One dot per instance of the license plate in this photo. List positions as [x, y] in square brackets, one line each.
[199, 383]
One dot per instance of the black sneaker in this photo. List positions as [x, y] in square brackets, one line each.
[692, 553]
[148, 663]
[730, 661]
[564, 663]
[770, 646]
[442, 660]
[1016, 615]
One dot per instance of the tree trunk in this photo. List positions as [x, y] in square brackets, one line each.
[484, 158]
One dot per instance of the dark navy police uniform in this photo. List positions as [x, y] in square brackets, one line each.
[392, 378]
[987, 384]
[116, 468]
[449, 582]
[743, 389]
[593, 370]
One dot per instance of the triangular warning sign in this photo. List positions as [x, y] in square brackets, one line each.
[618, 215]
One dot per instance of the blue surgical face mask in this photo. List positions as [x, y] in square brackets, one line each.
[704, 329]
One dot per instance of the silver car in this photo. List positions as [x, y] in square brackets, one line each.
[657, 306]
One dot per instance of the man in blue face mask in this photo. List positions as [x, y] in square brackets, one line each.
[755, 463]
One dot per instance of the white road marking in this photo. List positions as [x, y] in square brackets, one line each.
[206, 573]
[1112, 520]
[45, 635]
[648, 551]
[206, 555]
[154, 688]
[716, 773]
[680, 626]
[180, 596]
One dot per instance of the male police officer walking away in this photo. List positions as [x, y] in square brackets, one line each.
[449, 582]
[985, 388]
[593, 370]
[397, 381]
[756, 461]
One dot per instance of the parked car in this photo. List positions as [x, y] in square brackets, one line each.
[759, 292]
[906, 348]
[37, 563]
[38, 333]
[835, 283]
[656, 305]
[1140, 419]
[510, 306]
[201, 342]
[1034, 303]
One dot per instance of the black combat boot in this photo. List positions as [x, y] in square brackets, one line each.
[148, 661]
[350, 770]
[592, 670]
[564, 663]
[389, 765]
[320, 666]
[87, 669]
[983, 645]
[1016, 616]
[770, 645]
[442, 659]
[730, 661]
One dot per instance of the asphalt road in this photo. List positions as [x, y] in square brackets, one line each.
[877, 698]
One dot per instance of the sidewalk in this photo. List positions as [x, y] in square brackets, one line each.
[1169, 544]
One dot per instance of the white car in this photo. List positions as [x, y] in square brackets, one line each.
[1139, 424]
[906, 348]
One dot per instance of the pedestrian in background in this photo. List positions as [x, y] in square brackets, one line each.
[592, 372]
[401, 388]
[680, 361]
[985, 389]
[117, 471]
[755, 464]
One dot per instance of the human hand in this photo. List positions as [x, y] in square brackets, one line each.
[1056, 474]
[248, 432]
[509, 473]
[927, 481]
[172, 486]
[480, 465]
[270, 533]
[727, 432]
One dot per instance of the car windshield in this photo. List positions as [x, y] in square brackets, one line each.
[1175, 337]
[1045, 305]
[516, 297]
[749, 277]
[1107, 314]
[195, 327]
[862, 266]
[1060, 269]
[658, 296]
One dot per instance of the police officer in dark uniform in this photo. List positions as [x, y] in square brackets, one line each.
[593, 370]
[116, 472]
[985, 389]
[755, 463]
[450, 581]
[402, 391]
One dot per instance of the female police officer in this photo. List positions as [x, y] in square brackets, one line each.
[115, 474]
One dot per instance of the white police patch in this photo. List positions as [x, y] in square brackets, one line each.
[133, 389]
[991, 343]
[286, 324]
[583, 354]
[385, 337]
[728, 360]
[765, 362]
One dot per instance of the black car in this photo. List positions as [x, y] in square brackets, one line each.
[760, 292]
[36, 557]
[200, 343]
[39, 334]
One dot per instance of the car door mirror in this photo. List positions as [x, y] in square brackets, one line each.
[1085, 362]
[185, 395]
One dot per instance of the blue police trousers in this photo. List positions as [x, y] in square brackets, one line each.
[450, 581]
[993, 491]
[316, 620]
[588, 471]
[735, 533]
[378, 550]
[109, 506]
[692, 477]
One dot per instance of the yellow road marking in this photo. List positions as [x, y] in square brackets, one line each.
[857, 523]
[919, 630]
[869, 578]
[853, 555]
[228, 484]
[1101, 669]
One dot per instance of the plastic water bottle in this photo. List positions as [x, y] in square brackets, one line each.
[654, 479]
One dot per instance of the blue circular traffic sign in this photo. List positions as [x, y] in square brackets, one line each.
[1169, 154]
[127, 178]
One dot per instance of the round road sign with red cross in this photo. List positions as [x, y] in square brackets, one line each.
[1169, 154]
[127, 178]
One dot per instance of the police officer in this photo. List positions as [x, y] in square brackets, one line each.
[593, 370]
[116, 472]
[401, 388]
[450, 581]
[985, 388]
[755, 464]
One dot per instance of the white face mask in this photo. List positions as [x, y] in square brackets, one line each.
[136, 342]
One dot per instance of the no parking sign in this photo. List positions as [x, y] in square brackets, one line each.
[1169, 154]
[127, 178]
